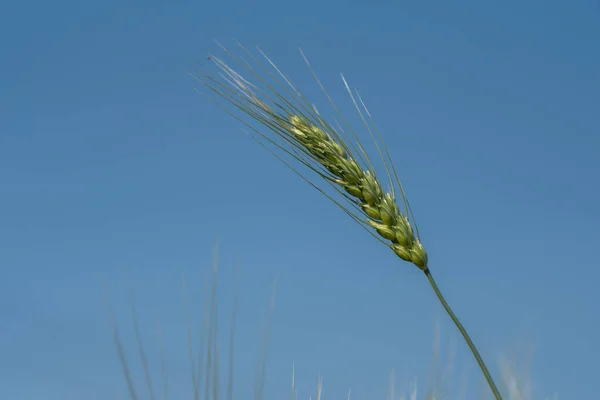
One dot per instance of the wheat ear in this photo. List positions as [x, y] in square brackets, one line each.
[303, 134]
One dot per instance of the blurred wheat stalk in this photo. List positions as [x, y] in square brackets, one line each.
[204, 357]
[300, 132]
[206, 361]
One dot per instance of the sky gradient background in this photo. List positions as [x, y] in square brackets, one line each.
[112, 168]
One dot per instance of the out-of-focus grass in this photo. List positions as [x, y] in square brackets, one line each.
[205, 365]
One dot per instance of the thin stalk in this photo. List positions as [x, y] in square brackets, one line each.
[463, 331]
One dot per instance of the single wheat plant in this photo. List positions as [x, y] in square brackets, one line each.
[333, 151]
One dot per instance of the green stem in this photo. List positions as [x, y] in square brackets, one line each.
[465, 335]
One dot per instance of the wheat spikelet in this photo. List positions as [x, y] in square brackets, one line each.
[381, 208]
[303, 134]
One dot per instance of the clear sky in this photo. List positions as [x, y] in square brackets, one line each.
[112, 168]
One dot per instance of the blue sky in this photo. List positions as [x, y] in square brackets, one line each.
[113, 168]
